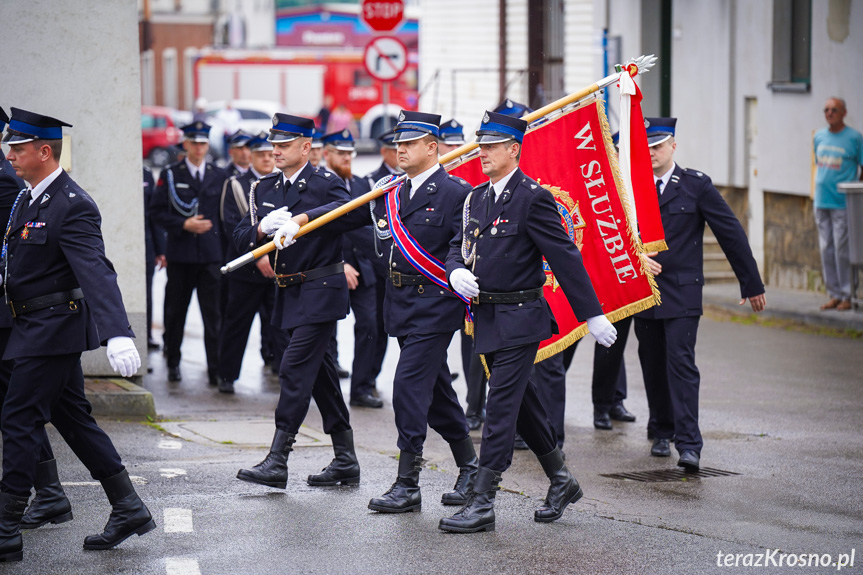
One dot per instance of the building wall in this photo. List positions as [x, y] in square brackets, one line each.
[92, 81]
[179, 36]
[581, 45]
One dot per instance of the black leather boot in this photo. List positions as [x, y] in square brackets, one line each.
[465, 457]
[478, 513]
[11, 511]
[273, 470]
[129, 515]
[564, 489]
[405, 494]
[344, 468]
[50, 505]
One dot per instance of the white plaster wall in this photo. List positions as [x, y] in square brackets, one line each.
[66, 59]
[582, 44]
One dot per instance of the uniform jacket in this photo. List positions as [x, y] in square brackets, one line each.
[154, 235]
[232, 218]
[433, 217]
[690, 200]
[55, 245]
[10, 186]
[183, 246]
[522, 227]
[315, 192]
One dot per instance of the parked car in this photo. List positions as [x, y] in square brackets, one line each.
[255, 116]
[160, 133]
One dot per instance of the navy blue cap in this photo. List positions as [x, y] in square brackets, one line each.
[196, 132]
[317, 138]
[4, 119]
[496, 128]
[386, 140]
[510, 108]
[260, 143]
[343, 140]
[240, 139]
[27, 126]
[659, 130]
[287, 128]
[452, 133]
[415, 125]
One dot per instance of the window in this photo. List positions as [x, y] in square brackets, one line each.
[792, 45]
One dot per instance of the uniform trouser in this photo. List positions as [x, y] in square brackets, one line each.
[549, 377]
[666, 348]
[273, 339]
[183, 279]
[609, 373]
[474, 374]
[45, 452]
[309, 370]
[151, 270]
[43, 389]
[245, 299]
[364, 308]
[833, 242]
[382, 338]
[513, 403]
[423, 396]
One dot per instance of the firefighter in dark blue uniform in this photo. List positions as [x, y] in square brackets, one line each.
[423, 316]
[63, 295]
[339, 150]
[312, 295]
[186, 205]
[241, 155]
[50, 505]
[510, 223]
[250, 289]
[667, 333]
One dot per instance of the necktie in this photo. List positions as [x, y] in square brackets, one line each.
[491, 200]
[658, 188]
[405, 197]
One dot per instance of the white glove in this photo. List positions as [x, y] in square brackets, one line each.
[123, 356]
[602, 330]
[464, 282]
[285, 234]
[274, 220]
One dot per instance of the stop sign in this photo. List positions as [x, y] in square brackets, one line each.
[382, 15]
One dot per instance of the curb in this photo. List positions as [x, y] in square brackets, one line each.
[115, 396]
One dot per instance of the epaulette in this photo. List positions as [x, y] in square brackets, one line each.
[270, 175]
[462, 181]
[693, 173]
[478, 187]
[326, 174]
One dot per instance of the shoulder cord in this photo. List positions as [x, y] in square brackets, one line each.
[468, 252]
[6, 241]
[189, 209]
[253, 209]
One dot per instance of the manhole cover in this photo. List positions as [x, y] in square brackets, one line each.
[677, 474]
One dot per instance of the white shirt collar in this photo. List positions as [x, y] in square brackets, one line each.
[295, 175]
[421, 178]
[665, 177]
[501, 184]
[43, 185]
[193, 169]
[257, 175]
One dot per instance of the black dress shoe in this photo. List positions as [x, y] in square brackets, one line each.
[689, 461]
[661, 448]
[474, 422]
[343, 373]
[620, 413]
[519, 443]
[174, 373]
[226, 386]
[601, 420]
[367, 400]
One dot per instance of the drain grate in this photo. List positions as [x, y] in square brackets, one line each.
[678, 474]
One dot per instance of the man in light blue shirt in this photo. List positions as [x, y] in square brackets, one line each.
[838, 155]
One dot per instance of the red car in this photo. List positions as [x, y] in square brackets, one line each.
[159, 134]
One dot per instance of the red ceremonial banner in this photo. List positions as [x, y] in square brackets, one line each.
[573, 157]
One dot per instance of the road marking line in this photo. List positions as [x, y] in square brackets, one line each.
[178, 566]
[135, 479]
[178, 520]
[172, 473]
[170, 444]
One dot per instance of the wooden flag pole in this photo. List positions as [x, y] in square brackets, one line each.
[642, 64]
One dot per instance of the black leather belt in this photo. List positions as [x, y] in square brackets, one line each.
[400, 279]
[41, 302]
[285, 280]
[508, 297]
